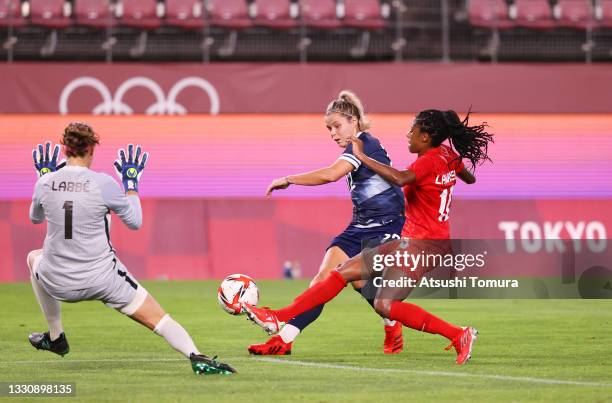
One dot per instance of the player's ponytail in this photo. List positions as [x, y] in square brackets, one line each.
[77, 139]
[349, 105]
[470, 142]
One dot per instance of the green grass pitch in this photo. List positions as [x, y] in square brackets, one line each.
[528, 350]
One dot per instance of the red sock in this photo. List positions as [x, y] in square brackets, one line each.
[316, 295]
[417, 318]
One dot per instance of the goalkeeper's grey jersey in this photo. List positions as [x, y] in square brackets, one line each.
[77, 202]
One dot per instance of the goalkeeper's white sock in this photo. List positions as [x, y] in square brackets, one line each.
[50, 307]
[289, 333]
[389, 322]
[176, 336]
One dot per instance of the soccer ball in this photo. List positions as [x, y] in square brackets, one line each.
[235, 289]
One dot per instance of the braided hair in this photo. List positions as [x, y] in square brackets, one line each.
[470, 142]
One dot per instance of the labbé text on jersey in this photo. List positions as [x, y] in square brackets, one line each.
[70, 186]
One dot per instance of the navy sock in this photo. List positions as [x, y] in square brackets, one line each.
[304, 319]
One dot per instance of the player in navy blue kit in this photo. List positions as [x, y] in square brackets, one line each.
[378, 213]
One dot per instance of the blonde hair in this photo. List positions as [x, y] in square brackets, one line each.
[349, 105]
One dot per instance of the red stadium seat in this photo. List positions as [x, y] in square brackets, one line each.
[535, 14]
[319, 14]
[274, 14]
[232, 14]
[93, 13]
[185, 13]
[10, 13]
[365, 14]
[139, 14]
[574, 13]
[604, 13]
[489, 14]
[50, 13]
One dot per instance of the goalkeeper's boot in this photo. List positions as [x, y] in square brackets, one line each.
[264, 317]
[42, 341]
[463, 343]
[202, 364]
[394, 341]
[274, 346]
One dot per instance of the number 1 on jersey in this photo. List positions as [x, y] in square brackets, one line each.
[68, 219]
[445, 200]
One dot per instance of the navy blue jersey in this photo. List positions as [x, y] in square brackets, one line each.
[375, 201]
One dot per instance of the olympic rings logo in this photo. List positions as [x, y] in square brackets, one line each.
[163, 105]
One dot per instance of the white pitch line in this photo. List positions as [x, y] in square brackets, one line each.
[436, 373]
[333, 366]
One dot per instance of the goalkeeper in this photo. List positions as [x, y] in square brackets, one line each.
[77, 261]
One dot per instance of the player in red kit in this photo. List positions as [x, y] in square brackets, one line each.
[429, 193]
[428, 186]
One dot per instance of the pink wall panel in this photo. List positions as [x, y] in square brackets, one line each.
[542, 156]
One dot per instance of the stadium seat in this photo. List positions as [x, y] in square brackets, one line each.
[50, 13]
[364, 14]
[319, 14]
[143, 14]
[11, 13]
[93, 13]
[488, 14]
[603, 13]
[276, 14]
[232, 14]
[577, 14]
[185, 14]
[574, 13]
[534, 14]
[493, 15]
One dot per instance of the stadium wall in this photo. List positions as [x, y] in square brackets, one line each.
[296, 88]
[204, 211]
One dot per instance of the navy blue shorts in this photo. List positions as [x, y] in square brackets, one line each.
[353, 239]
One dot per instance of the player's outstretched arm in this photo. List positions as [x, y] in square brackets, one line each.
[390, 174]
[42, 163]
[321, 176]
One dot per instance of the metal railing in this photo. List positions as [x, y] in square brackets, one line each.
[415, 30]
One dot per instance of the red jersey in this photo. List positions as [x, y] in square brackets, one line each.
[428, 199]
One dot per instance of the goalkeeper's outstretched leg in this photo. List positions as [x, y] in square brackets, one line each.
[152, 315]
